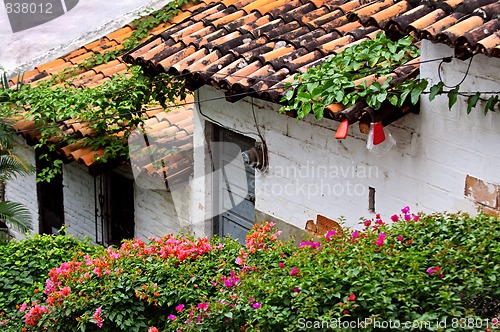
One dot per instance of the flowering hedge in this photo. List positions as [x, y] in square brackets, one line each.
[24, 266]
[434, 270]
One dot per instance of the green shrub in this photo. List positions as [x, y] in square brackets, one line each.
[427, 272]
[24, 266]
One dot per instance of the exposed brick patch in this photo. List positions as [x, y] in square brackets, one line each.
[490, 212]
[484, 193]
[322, 226]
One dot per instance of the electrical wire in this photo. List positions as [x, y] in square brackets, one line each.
[463, 78]
[221, 125]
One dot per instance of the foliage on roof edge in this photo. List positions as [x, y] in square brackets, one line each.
[337, 80]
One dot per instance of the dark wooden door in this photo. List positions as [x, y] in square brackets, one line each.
[234, 186]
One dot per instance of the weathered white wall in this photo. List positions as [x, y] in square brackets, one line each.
[23, 189]
[157, 212]
[87, 21]
[313, 173]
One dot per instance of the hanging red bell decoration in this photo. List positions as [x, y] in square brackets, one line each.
[378, 133]
[342, 129]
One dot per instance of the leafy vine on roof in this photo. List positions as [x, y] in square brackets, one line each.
[345, 79]
[334, 81]
[112, 110]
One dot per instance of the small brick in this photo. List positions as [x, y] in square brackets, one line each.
[484, 193]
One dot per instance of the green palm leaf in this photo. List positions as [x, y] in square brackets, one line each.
[15, 215]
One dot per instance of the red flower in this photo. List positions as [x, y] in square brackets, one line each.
[345, 312]
[352, 297]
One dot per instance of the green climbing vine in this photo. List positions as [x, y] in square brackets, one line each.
[334, 81]
[112, 110]
[491, 100]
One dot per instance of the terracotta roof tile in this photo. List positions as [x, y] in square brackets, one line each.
[48, 67]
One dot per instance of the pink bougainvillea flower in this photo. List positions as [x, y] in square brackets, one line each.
[65, 291]
[203, 306]
[399, 238]
[172, 317]
[355, 234]
[282, 265]
[416, 218]
[380, 240]
[351, 297]
[34, 314]
[179, 307]
[152, 329]
[98, 271]
[23, 307]
[256, 305]
[405, 210]
[330, 234]
[311, 244]
[239, 261]
[99, 321]
[294, 271]
[407, 217]
[367, 223]
[296, 289]
[394, 218]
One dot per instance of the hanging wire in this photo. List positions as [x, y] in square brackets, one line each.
[220, 124]
[463, 78]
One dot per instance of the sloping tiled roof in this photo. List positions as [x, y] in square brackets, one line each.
[256, 46]
[177, 120]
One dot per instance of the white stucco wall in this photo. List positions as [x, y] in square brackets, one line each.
[23, 189]
[313, 173]
[156, 212]
[87, 21]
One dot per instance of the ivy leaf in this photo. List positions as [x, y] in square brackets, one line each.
[404, 94]
[472, 102]
[381, 97]
[452, 97]
[318, 110]
[490, 104]
[435, 90]
[393, 99]
[339, 96]
[417, 91]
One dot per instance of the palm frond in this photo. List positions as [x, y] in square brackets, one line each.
[16, 216]
[11, 166]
